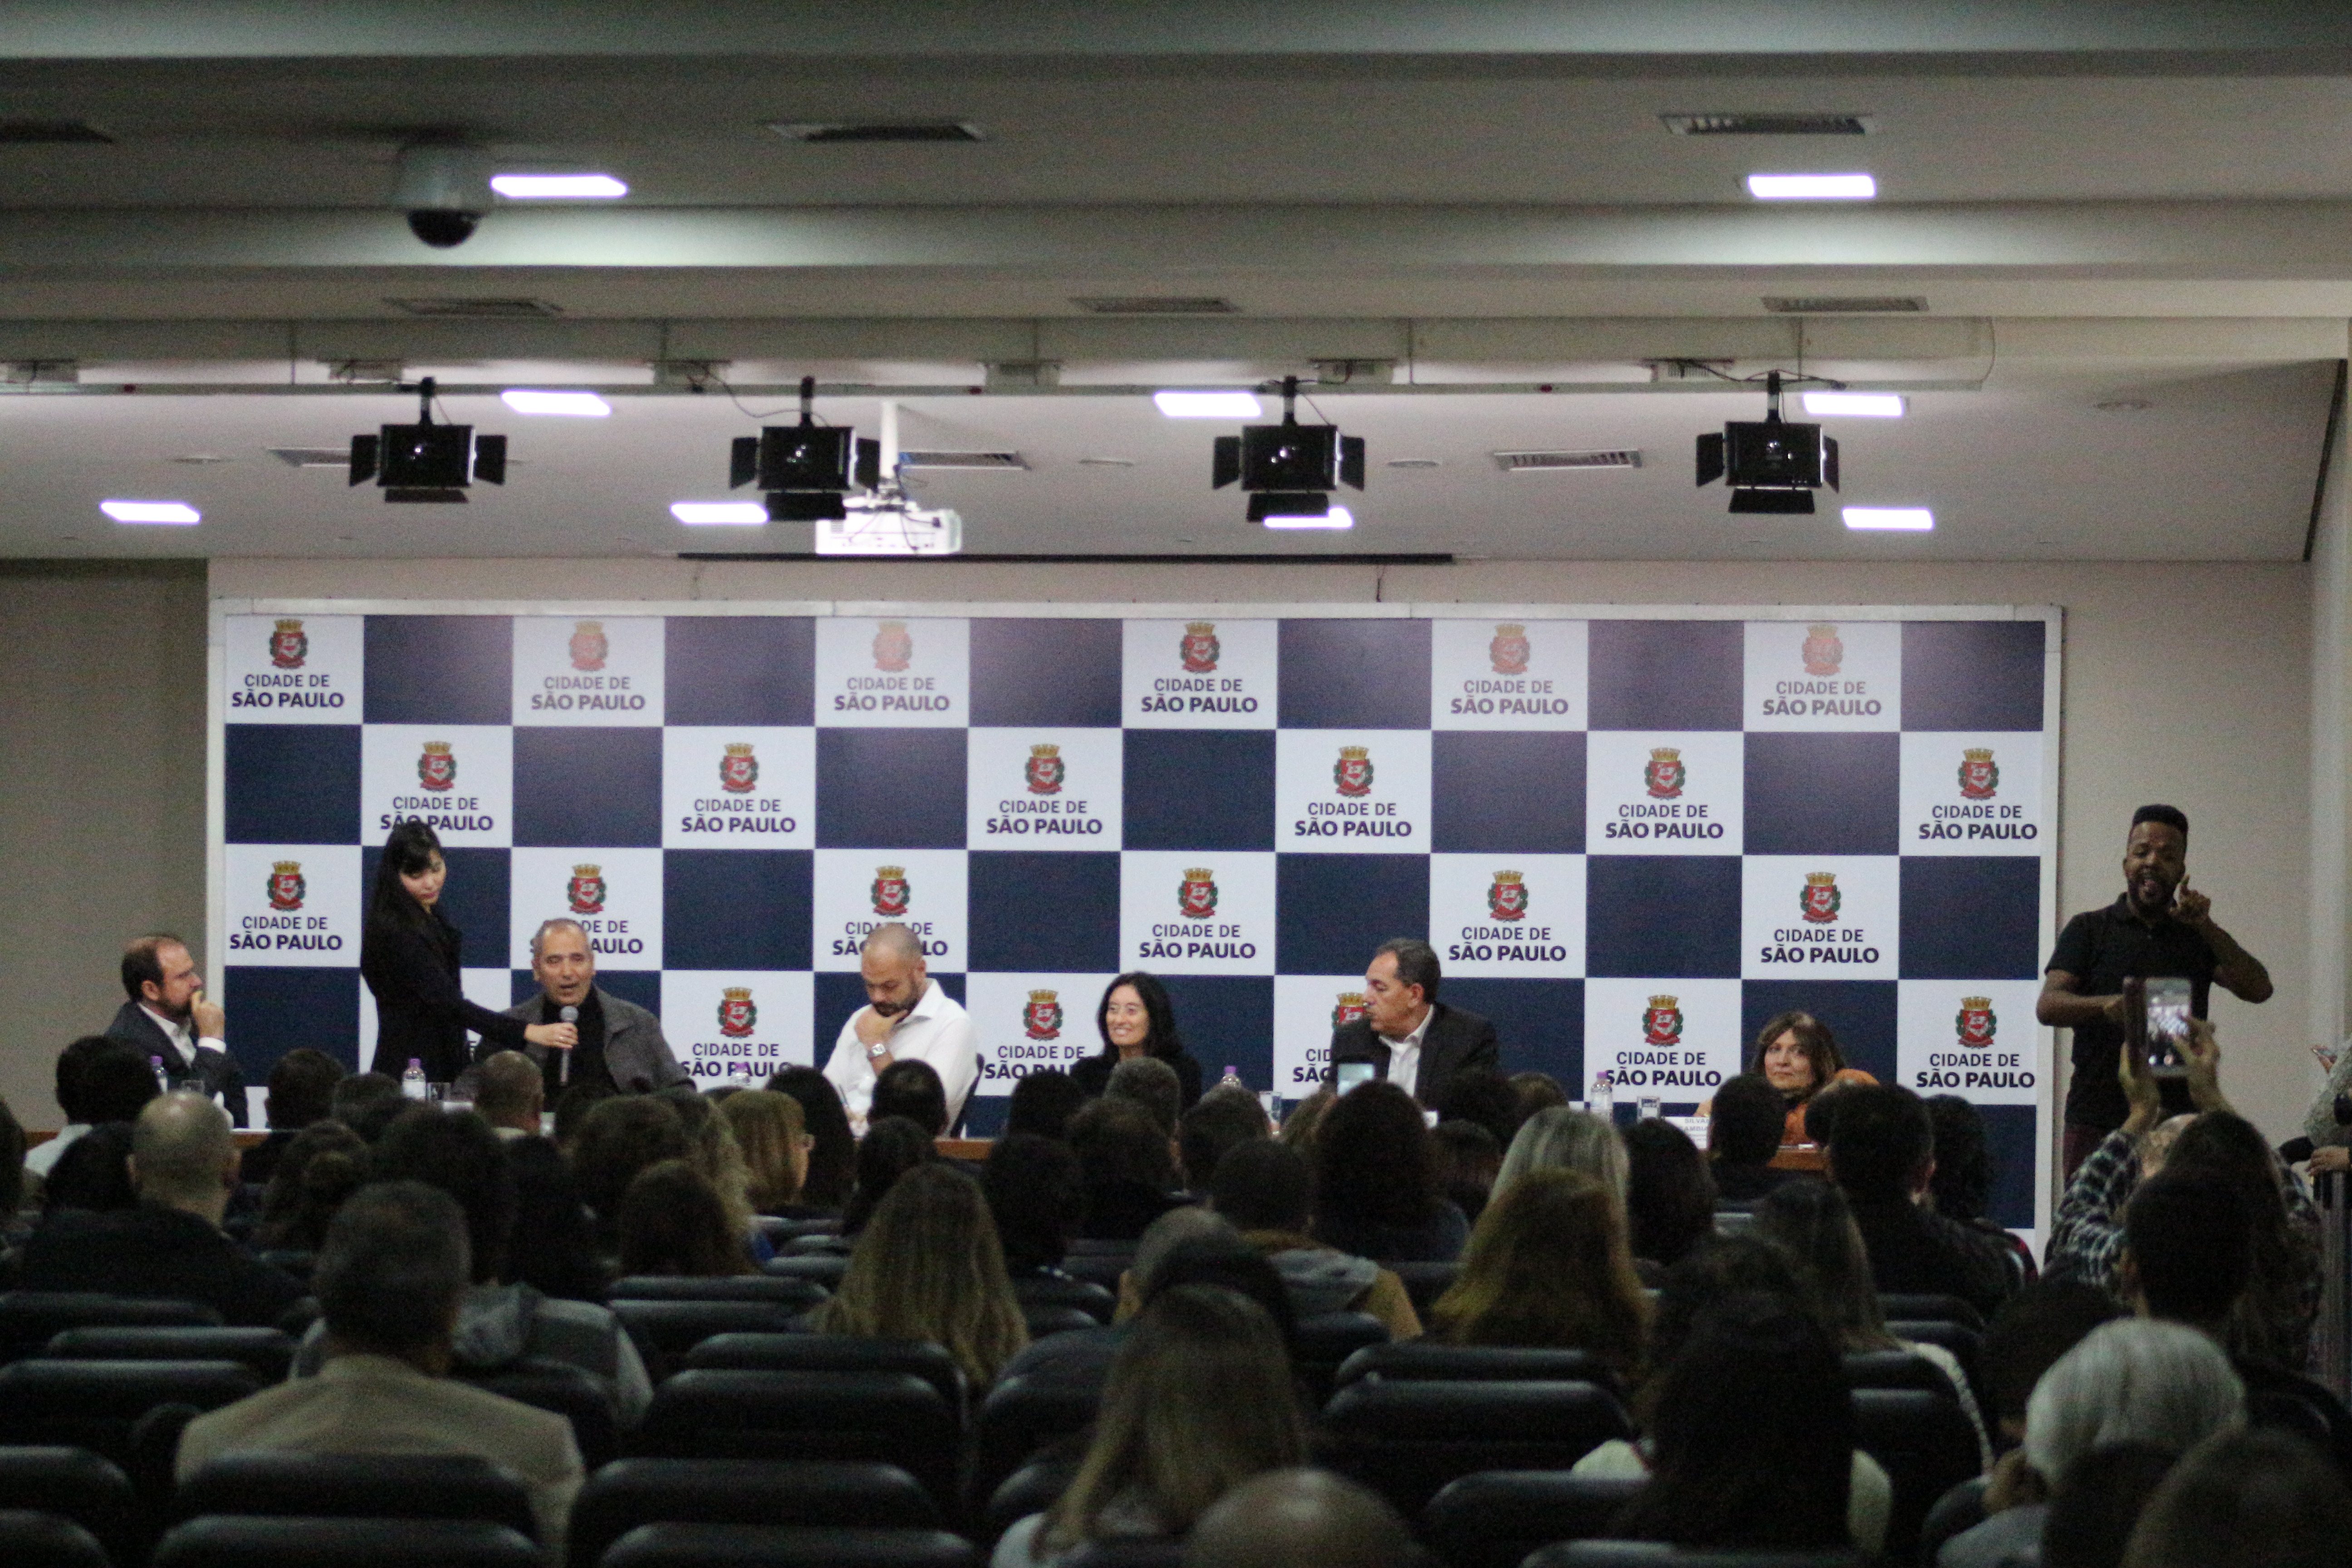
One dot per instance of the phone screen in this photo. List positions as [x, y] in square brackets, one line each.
[1347, 1075]
[2167, 1026]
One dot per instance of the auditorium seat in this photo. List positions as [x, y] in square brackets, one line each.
[293, 1264]
[623, 1496]
[1895, 1369]
[269, 1352]
[1931, 1308]
[823, 1269]
[29, 1320]
[1425, 1282]
[865, 1416]
[1019, 1418]
[78, 1485]
[95, 1405]
[1407, 1438]
[782, 1546]
[1657, 1554]
[1962, 1507]
[1322, 1342]
[282, 1485]
[1965, 1344]
[665, 1331]
[1036, 1290]
[1151, 1553]
[1926, 1445]
[1101, 1262]
[833, 1352]
[42, 1540]
[800, 1295]
[1044, 1320]
[235, 1541]
[818, 1244]
[1035, 1487]
[1425, 1361]
[566, 1390]
[1494, 1519]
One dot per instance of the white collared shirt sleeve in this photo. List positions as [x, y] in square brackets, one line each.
[851, 1075]
[938, 1034]
[954, 1051]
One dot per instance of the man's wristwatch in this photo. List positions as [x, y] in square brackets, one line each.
[878, 1048]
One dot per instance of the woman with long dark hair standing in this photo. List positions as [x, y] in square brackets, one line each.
[409, 955]
[1136, 1019]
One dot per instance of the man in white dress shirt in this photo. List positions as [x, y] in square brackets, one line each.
[907, 1019]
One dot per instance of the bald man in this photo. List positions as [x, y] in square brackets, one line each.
[906, 1018]
[1286, 1517]
[183, 1163]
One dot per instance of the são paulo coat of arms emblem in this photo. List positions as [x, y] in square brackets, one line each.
[1662, 1022]
[1820, 899]
[1042, 1018]
[1506, 896]
[1822, 653]
[286, 885]
[894, 647]
[736, 1017]
[1510, 650]
[586, 890]
[1350, 1008]
[1044, 771]
[739, 770]
[1196, 899]
[1979, 779]
[891, 891]
[1354, 771]
[436, 766]
[588, 645]
[1974, 1024]
[288, 646]
[1199, 647]
[1664, 775]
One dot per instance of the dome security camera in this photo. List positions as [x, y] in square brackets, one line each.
[444, 188]
[442, 229]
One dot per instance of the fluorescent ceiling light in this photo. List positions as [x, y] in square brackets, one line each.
[1208, 405]
[173, 511]
[571, 404]
[708, 513]
[1856, 404]
[558, 187]
[1338, 517]
[1806, 187]
[1908, 519]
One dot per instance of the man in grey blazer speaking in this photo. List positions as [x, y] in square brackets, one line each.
[621, 1047]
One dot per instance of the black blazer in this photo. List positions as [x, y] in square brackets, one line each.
[216, 1071]
[1456, 1041]
[420, 1011]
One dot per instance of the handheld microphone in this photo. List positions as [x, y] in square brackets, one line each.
[563, 1071]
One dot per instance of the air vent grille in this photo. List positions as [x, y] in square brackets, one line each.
[834, 131]
[1157, 305]
[313, 457]
[476, 309]
[52, 133]
[1846, 305]
[991, 460]
[1767, 124]
[1537, 462]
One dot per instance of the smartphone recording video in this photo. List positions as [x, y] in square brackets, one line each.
[2166, 1030]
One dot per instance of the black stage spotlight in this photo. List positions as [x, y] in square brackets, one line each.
[428, 462]
[1773, 466]
[806, 468]
[1288, 470]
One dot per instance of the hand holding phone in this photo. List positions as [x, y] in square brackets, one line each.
[2165, 1028]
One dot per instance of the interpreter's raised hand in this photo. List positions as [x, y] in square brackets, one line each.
[551, 1037]
[2141, 1091]
[2203, 1052]
[2191, 907]
[211, 1020]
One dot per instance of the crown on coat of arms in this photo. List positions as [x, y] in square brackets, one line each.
[739, 748]
[1200, 628]
[1354, 754]
[1512, 877]
[1042, 995]
[1975, 1004]
[587, 871]
[890, 873]
[736, 993]
[286, 867]
[289, 626]
[1352, 998]
[1045, 749]
[437, 748]
[1822, 631]
[1199, 874]
[1978, 753]
[1510, 629]
[1665, 753]
[595, 627]
[1821, 878]
[1665, 1004]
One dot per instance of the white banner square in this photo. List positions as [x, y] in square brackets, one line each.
[740, 787]
[893, 673]
[295, 669]
[1196, 911]
[858, 889]
[1027, 1022]
[602, 672]
[1516, 917]
[1659, 792]
[1351, 791]
[1198, 675]
[1818, 675]
[739, 1026]
[295, 906]
[1675, 1039]
[1044, 789]
[1973, 794]
[614, 894]
[1820, 917]
[1508, 675]
[457, 779]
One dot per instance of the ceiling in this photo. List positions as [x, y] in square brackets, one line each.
[2147, 205]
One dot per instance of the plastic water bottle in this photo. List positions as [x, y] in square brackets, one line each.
[162, 1078]
[1233, 1080]
[412, 1082]
[1604, 1100]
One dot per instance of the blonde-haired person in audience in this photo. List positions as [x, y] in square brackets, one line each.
[1570, 1139]
[711, 1149]
[772, 1133]
[1198, 1401]
[1547, 1266]
[673, 1222]
[928, 1266]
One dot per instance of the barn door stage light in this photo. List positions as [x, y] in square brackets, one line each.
[1288, 470]
[425, 461]
[808, 469]
[1773, 466]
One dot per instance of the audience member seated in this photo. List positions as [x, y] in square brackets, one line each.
[928, 1267]
[555, 1248]
[832, 1148]
[1798, 1057]
[1569, 1139]
[183, 1163]
[1292, 1517]
[2097, 1502]
[1882, 1151]
[1037, 1197]
[99, 1081]
[94, 1176]
[911, 1088]
[771, 1131]
[1669, 1195]
[711, 1149]
[1123, 1155]
[892, 1147]
[1725, 1268]
[1812, 1221]
[366, 1103]
[619, 1136]
[1468, 1161]
[673, 1222]
[1306, 1119]
[2131, 1381]
[1152, 1084]
[1536, 1091]
[1042, 1103]
[572, 1109]
[510, 1094]
[301, 1085]
[2025, 1338]
[1484, 1097]
[1548, 1267]
[390, 1282]
[1743, 1134]
[320, 1169]
[1265, 1191]
[1198, 1400]
[2245, 1499]
[1184, 1246]
[1962, 1185]
[1376, 1192]
[1223, 1120]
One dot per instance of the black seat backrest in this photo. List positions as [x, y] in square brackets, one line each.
[1647, 1554]
[1897, 1369]
[2282, 1410]
[1425, 1282]
[1103, 1268]
[1042, 1320]
[1494, 1519]
[820, 1244]
[1962, 1507]
[31, 1319]
[1021, 1417]
[800, 1295]
[1154, 1553]
[1033, 1489]
[1083, 1294]
[357, 1486]
[1964, 1344]
[1323, 1341]
[232, 1541]
[665, 1331]
[784, 1546]
[1926, 1445]
[864, 1416]
[94, 1404]
[268, 1352]
[73, 1484]
[1427, 1361]
[823, 1269]
[297, 1266]
[832, 1353]
[808, 1492]
[1930, 1309]
[1406, 1438]
[30, 1539]
[566, 1390]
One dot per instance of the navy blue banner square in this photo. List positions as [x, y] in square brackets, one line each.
[1227, 1020]
[1972, 919]
[740, 670]
[1045, 672]
[272, 1010]
[1973, 675]
[477, 898]
[2010, 1143]
[440, 669]
[890, 789]
[1332, 911]
[1665, 916]
[591, 788]
[737, 908]
[1539, 1022]
[1860, 1015]
[1667, 675]
[1055, 914]
[1355, 675]
[1506, 793]
[1199, 789]
[1816, 793]
[642, 987]
[293, 784]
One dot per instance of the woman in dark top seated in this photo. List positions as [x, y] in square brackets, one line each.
[1136, 1019]
[1743, 1134]
[409, 955]
[1376, 1192]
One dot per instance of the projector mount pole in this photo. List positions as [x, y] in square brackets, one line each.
[425, 401]
[1773, 398]
[808, 402]
[1290, 400]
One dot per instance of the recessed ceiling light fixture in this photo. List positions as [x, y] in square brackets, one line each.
[1812, 187]
[1855, 405]
[1900, 518]
[1338, 517]
[1208, 405]
[719, 513]
[558, 188]
[177, 512]
[569, 405]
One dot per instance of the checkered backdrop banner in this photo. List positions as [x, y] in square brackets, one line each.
[1633, 834]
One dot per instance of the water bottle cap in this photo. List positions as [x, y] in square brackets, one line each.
[416, 1062]
[1232, 1071]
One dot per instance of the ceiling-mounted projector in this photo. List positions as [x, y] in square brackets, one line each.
[807, 470]
[425, 461]
[1772, 466]
[1288, 470]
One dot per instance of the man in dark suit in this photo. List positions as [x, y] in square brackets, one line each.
[168, 1016]
[1411, 1038]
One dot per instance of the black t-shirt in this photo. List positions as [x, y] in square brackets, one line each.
[2100, 948]
[587, 1057]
